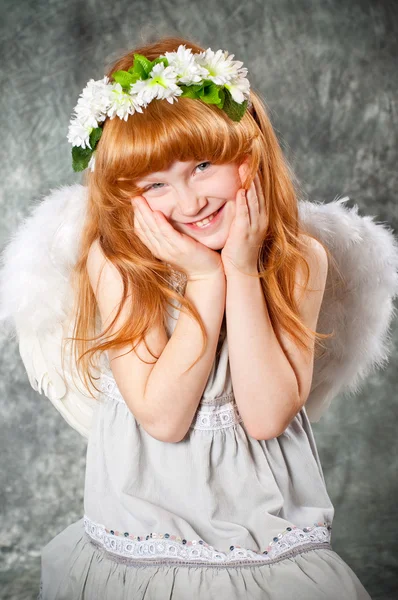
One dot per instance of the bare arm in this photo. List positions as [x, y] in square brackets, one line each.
[170, 394]
[271, 380]
[264, 383]
[160, 396]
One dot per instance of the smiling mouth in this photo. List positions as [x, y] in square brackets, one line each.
[204, 218]
[202, 221]
[213, 218]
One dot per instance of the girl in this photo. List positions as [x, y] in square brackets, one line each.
[203, 478]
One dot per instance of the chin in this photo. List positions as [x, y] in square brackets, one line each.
[217, 247]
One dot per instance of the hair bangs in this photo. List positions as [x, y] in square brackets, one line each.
[164, 133]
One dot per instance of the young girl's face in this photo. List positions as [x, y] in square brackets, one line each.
[190, 191]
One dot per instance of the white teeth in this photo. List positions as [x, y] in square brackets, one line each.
[207, 220]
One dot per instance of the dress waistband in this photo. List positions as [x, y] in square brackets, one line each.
[209, 417]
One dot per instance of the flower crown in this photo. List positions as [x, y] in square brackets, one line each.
[212, 77]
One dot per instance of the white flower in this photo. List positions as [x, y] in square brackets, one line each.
[79, 134]
[94, 102]
[239, 88]
[222, 69]
[188, 70]
[87, 117]
[122, 104]
[161, 84]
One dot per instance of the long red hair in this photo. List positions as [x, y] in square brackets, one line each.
[151, 141]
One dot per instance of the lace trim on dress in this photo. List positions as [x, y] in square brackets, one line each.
[207, 418]
[172, 548]
[216, 417]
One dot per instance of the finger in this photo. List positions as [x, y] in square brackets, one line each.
[263, 214]
[242, 170]
[259, 192]
[141, 230]
[163, 231]
[136, 212]
[154, 234]
[253, 204]
[156, 218]
[162, 235]
[147, 222]
[242, 210]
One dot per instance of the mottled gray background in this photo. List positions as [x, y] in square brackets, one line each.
[328, 72]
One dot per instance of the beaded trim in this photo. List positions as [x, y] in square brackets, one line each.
[149, 548]
[207, 418]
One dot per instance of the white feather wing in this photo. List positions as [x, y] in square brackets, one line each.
[358, 306]
[36, 298]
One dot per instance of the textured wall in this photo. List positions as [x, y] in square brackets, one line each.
[327, 71]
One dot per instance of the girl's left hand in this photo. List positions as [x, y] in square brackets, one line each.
[247, 232]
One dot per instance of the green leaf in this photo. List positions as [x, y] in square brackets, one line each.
[137, 71]
[124, 78]
[95, 137]
[234, 110]
[210, 94]
[191, 91]
[158, 60]
[143, 64]
[80, 158]
[221, 92]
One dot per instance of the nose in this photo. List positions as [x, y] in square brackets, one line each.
[189, 202]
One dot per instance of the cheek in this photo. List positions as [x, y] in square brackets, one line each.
[232, 188]
[231, 182]
[230, 212]
[224, 187]
[159, 205]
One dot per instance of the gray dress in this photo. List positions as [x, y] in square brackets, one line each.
[217, 515]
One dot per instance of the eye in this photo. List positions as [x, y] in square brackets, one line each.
[152, 187]
[204, 163]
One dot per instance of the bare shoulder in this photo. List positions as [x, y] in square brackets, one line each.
[317, 260]
[101, 271]
[315, 254]
[309, 293]
[95, 253]
[96, 258]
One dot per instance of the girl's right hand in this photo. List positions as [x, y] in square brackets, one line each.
[172, 246]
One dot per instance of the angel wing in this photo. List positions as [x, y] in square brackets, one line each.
[36, 300]
[358, 299]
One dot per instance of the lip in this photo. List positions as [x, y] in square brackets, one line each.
[210, 225]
